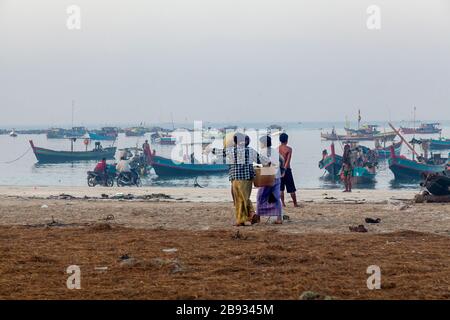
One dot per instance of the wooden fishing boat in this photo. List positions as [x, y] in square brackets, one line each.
[52, 156]
[384, 136]
[165, 139]
[406, 169]
[411, 170]
[105, 134]
[135, 132]
[165, 167]
[437, 184]
[332, 163]
[424, 128]
[363, 175]
[385, 152]
[439, 144]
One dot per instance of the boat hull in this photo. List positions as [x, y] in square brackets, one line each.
[440, 144]
[52, 156]
[405, 169]
[99, 137]
[167, 168]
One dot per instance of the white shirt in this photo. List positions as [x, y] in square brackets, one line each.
[123, 166]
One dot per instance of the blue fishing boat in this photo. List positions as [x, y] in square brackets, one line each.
[385, 152]
[331, 163]
[165, 167]
[105, 134]
[406, 169]
[52, 156]
[363, 175]
[440, 144]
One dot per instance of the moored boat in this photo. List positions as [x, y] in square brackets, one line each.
[135, 132]
[331, 163]
[52, 156]
[165, 167]
[439, 144]
[385, 152]
[105, 134]
[13, 133]
[424, 128]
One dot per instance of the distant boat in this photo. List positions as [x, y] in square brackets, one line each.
[333, 136]
[135, 132]
[52, 156]
[13, 133]
[59, 133]
[425, 128]
[165, 167]
[166, 139]
[105, 134]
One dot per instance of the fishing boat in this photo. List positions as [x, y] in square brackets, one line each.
[439, 144]
[135, 132]
[13, 133]
[424, 128]
[165, 167]
[414, 169]
[166, 139]
[385, 152]
[56, 133]
[437, 184]
[52, 156]
[333, 136]
[332, 163]
[406, 169]
[105, 134]
[366, 129]
[361, 174]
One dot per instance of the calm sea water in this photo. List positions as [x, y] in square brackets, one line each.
[305, 140]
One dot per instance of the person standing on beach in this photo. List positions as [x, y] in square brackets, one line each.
[287, 181]
[240, 159]
[347, 168]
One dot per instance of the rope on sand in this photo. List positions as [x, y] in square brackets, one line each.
[17, 159]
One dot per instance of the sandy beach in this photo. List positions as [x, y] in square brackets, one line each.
[181, 244]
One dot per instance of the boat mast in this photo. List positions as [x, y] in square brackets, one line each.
[359, 118]
[414, 131]
[73, 108]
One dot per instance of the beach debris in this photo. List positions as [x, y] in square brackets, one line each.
[286, 217]
[131, 262]
[397, 205]
[371, 220]
[330, 198]
[62, 196]
[104, 196]
[109, 217]
[101, 268]
[311, 295]
[170, 250]
[238, 236]
[44, 206]
[359, 228]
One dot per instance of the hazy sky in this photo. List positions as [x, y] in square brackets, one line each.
[223, 60]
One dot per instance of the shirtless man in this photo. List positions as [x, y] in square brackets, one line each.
[287, 180]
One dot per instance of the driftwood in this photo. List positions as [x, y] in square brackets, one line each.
[429, 198]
